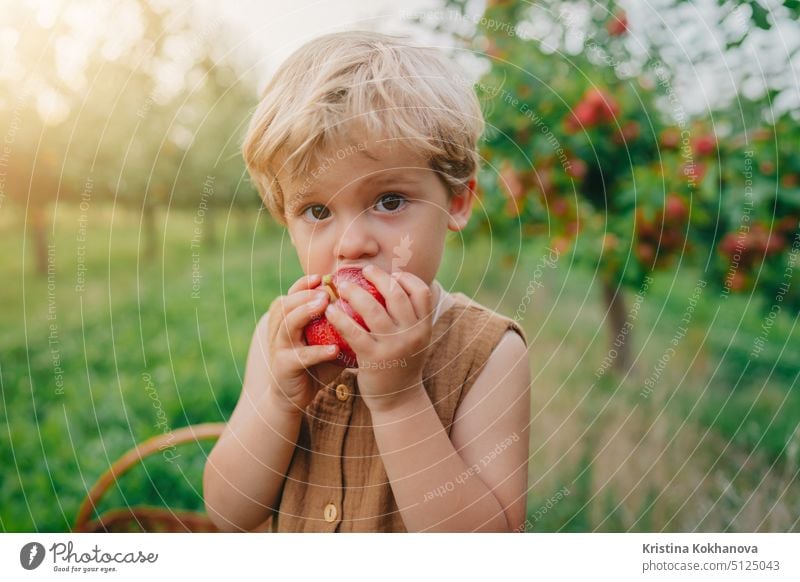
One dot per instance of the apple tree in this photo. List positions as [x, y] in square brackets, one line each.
[588, 145]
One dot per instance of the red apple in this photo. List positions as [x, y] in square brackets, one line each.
[584, 116]
[790, 180]
[646, 253]
[676, 209]
[671, 238]
[559, 207]
[561, 244]
[705, 145]
[573, 227]
[696, 171]
[766, 242]
[595, 107]
[628, 132]
[670, 138]
[729, 244]
[600, 103]
[610, 242]
[320, 332]
[577, 168]
[618, 25]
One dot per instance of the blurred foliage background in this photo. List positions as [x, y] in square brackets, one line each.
[663, 334]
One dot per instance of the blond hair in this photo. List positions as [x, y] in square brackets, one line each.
[378, 82]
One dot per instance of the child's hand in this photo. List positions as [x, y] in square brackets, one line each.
[391, 355]
[292, 385]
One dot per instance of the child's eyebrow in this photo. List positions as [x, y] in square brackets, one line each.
[391, 178]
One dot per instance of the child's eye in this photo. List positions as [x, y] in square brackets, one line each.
[317, 209]
[392, 202]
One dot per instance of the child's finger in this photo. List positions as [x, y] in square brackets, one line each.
[307, 356]
[307, 282]
[356, 336]
[398, 305]
[284, 306]
[301, 297]
[300, 309]
[420, 294]
[375, 316]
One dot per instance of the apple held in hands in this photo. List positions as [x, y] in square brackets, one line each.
[319, 331]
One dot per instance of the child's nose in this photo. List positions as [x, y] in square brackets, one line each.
[356, 240]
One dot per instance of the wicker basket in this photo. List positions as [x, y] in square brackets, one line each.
[145, 518]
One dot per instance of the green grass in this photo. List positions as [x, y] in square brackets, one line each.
[688, 457]
[698, 441]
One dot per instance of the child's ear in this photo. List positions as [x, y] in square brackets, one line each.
[461, 207]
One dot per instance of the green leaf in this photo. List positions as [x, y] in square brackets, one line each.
[732, 44]
[759, 15]
[790, 196]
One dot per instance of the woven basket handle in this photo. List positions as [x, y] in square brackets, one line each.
[187, 434]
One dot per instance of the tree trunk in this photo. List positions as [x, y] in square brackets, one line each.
[616, 317]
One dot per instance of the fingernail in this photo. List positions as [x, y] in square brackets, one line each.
[329, 309]
[320, 297]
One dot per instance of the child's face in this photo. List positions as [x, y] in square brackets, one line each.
[372, 204]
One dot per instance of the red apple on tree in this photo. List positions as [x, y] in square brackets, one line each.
[695, 171]
[319, 331]
[646, 253]
[670, 138]
[609, 242]
[790, 180]
[585, 115]
[572, 227]
[618, 24]
[601, 103]
[729, 244]
[561, 244]
[577, 168]
[705, 145]
[675, 208]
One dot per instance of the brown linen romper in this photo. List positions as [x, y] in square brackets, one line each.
[336, 481]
